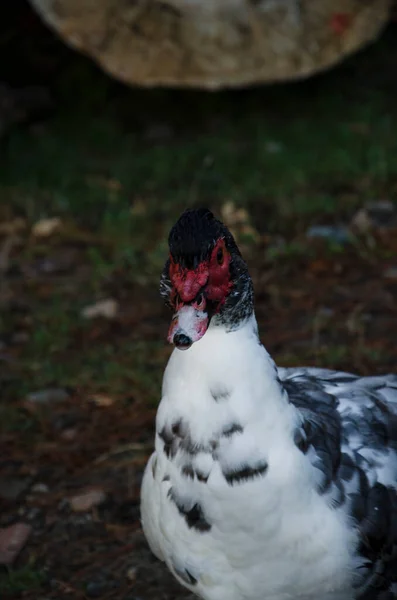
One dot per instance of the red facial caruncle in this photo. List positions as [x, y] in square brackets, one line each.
[193, 290]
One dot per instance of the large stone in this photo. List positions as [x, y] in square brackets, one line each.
[215, 43]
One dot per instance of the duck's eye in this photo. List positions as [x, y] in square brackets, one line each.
[200, 301]
[220, 256]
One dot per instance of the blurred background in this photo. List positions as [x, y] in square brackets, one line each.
[287, 129]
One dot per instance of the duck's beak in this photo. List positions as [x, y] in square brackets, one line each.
[187, 326]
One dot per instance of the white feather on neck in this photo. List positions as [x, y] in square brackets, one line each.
[234, 364]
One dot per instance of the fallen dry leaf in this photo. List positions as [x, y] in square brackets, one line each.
[238, 220]
[87, 500]
[104, 308]
[361, 221]
[46, 227]
[12, 540]
[233, 215]
[102, 400]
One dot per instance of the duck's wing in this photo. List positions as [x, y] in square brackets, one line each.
[349, 433]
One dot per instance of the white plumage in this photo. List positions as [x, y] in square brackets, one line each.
[271, 484]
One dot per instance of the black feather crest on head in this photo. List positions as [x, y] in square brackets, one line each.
[194, 236]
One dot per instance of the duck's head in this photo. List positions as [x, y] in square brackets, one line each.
[205, 278]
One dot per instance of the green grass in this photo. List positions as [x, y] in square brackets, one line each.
[290, 148]
[20, 580]
[291, 154]
[65, 170]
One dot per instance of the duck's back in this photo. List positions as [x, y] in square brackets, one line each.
[349, 431]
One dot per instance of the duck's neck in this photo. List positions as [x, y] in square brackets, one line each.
[225, 343]
[225, 365]
[238, 310]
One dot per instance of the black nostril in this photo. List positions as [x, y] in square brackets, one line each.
[182, 341]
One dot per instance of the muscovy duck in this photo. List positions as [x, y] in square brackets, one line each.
[266, 483]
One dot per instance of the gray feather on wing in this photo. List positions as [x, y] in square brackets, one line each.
[349, 432]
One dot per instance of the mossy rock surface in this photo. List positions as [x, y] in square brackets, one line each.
[215, 43]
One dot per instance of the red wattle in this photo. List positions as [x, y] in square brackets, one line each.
[188, 283]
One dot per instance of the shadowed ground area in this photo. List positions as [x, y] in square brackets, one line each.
[306, 176]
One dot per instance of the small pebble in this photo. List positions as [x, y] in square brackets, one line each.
[87, 500]
[68, 435]
[338, 233]
[12, 540]
[95, 589]
[33, 513]
[381, 214]
[40, 488]
[48, 395]
[381, 206]
[132, 573]
[361, 221]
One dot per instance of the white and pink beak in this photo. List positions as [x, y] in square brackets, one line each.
[187, 326]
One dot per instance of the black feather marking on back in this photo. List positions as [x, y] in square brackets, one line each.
[177, 437]
[201, 476]
[232, 429]
[219, 393]
[321, 426]
[191, 447]
[347, 467]
[192, 514]
[351, 423]
[245, 473]
[301, 440]
[187, 471]
[378, 545]
[170, 446]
